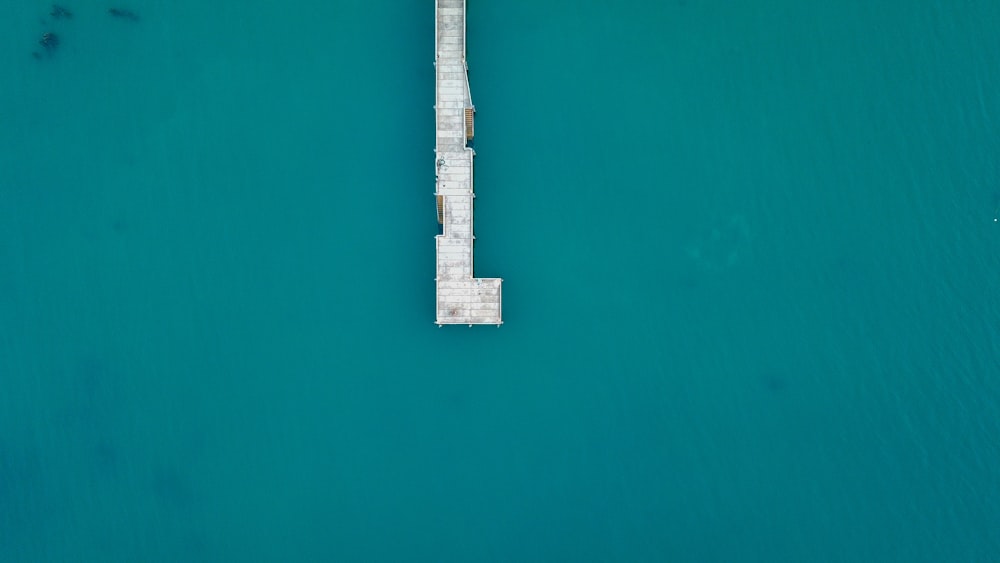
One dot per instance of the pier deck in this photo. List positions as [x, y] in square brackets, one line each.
[461, 297]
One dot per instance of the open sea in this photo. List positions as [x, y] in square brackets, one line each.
[751, 265]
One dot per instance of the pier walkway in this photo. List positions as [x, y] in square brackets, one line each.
[461, 297]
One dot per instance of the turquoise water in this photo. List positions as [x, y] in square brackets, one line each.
[750, 302]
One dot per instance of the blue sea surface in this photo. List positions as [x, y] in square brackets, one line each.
[750, 257]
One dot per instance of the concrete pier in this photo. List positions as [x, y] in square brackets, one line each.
[462, 298]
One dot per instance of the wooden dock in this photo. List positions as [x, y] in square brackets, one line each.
[461, 297]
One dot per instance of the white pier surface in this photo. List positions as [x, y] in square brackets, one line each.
[461, 297]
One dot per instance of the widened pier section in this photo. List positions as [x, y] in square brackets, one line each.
[461, 297]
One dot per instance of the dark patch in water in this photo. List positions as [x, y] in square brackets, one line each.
[123, 14]
[58, 12]
[92, 413]
[171, 487]
[106, 457]
[93, 382]
[49, 40]
[774, 382]
[22, 494]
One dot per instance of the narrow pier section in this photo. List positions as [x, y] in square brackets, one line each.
[461, 297]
